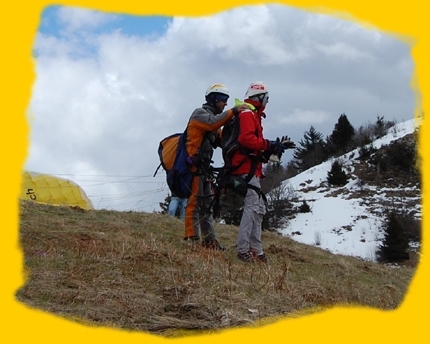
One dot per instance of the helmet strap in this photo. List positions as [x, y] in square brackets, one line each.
[258, 105]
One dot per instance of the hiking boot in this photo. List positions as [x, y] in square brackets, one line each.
[260, 258]
[213, 245]
[246, 257]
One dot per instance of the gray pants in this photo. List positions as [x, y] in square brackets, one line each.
[249, 237]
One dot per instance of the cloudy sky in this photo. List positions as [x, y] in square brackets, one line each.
[109, 87]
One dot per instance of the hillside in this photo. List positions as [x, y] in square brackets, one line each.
[133, 271]
[348, 219]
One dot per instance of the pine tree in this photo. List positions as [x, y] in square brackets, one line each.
[165, 205]
[310, 151]
[395, 244]
[379, 127]
[341, 139]
[337, 176]
[290, 170]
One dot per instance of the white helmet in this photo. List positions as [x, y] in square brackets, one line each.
[217, 88]
[255, 89]
[258, 91]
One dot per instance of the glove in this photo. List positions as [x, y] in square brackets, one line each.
[273, 158]
[287, 143]
[274, 152]
[276, 147]
[273, 146]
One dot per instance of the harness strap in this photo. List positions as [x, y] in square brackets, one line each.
[216, 196]
[258, 190]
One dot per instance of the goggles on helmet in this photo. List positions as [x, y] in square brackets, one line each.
[221, 98]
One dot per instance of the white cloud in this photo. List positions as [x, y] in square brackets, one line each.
[103, 100]
[249, 34]
[305, 117]
[342, 50]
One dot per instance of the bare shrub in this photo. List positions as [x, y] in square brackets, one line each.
[279, 206]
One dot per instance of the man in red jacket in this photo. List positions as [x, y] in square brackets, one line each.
[254, 149]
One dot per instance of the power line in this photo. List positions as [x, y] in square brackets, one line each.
[133, 199]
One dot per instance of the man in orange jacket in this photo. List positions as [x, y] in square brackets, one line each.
[203, 135]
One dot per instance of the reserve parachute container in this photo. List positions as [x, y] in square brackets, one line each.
[48, 189]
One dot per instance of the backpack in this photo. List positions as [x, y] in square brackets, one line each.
[230, 145]
[229, 140]
[173, 158]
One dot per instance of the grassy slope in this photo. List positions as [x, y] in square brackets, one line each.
[133, 271]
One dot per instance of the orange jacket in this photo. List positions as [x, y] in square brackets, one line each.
[203, 131]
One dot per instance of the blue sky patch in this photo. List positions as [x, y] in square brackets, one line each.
[131, 25]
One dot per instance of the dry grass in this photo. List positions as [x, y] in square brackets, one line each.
[133, 271]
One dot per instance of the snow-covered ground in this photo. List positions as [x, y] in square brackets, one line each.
[336, 223]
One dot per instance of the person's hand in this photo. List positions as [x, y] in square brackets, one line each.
[287, 143]
[278, 147]
[239, 108]
[275, 147]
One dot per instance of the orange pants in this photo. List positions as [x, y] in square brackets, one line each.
[198, 216]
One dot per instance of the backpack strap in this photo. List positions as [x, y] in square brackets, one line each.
[155, 173]
[254, 163]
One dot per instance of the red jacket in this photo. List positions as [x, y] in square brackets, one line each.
[251, 138]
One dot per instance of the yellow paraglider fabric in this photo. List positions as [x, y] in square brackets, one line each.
[48, 189]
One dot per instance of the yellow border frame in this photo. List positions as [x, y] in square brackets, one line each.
[19, 23]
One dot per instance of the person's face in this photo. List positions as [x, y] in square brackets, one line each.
[221, 105]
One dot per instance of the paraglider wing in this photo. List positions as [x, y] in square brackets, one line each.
[48, 189]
